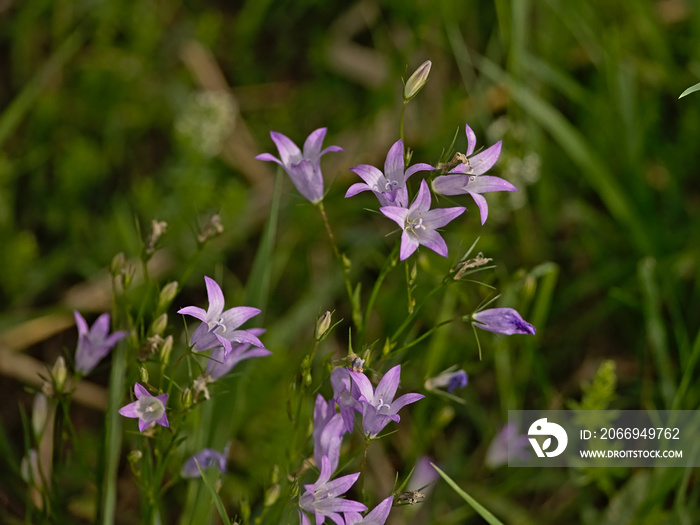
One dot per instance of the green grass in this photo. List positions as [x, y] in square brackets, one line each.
[598, 249]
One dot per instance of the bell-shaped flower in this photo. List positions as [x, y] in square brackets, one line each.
[377, 516]
[467, 176]
[449, 379]
[206, 458]
[148, 408]
[304, 168]
[219, 327]
[328, 432]
[323, 500]
[390, 186]
[93, 343]
[419, 223]
[504, 321]
[378, 405]
[346, 395]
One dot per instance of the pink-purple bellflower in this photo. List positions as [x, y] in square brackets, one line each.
[504, 321]
[304, 168]
[378, 405]
[467, 177]
[206, 458]
[219, 327]
[329, 429]
[390, 186]
[148, 408]
[419, 223]
[322, 499]
[93, 343]
[220, 364]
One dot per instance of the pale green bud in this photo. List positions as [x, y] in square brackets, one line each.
[167, 294]
[186, 398]
[323, 325]
[166, 350]
[143, 374]
[59, 374]
[40, 412]
[158, 326]
[416, 81]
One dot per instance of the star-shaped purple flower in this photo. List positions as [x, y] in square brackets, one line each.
[379, 406]
[345, 394]
[390, 186]
[304, 168]
[322, 498]
[377, 516]
[219, 327]
[206, 458]
[419, 223]
[149, 409]
[94, 343]
[504, 321]
[467, 177]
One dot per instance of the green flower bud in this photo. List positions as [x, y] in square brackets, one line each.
[158, 326]
[167, 294]
[416, 81]
[59, 374]
[323, 325]
[143, 374]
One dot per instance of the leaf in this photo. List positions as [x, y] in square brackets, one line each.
[690, 90]
[217, 500]
[482, 511]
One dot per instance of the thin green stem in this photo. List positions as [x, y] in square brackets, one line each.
[362, 469]
[428, 333]
[388, 265]
[415, 312]
[354, 301]
[401, 122]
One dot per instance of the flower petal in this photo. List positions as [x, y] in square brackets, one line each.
[216, 298]
[313, 143]
[422, 200]
[421, 166]
[194, 311]
[269, 157]
[81, 323]
[471, 140]
[483, 206]
[394, 164]
[439, 217]
[386, 389]
[396, 214]
[433, 240]
[356, 188]
[140, 391]
[289, 152]
[450, 184]
[235, 317]
[487, 183]
[409, 244]
[483, 161]
[369, 174]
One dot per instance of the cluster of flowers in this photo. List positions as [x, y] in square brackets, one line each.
[353, 394]
[417, 221]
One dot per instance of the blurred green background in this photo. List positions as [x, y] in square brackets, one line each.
[115, 113]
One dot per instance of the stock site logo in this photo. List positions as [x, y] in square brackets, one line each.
[543, 428]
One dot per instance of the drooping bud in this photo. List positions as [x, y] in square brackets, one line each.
[416, 81]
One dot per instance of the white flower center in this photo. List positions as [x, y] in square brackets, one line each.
[414, 223]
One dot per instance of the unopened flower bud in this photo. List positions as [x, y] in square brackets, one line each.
[143, 374]
[416, 81]
[29, 468]
[186, 398]
[167, 294]
[118, 262]
[323, 325]
[134, 456]
[59, 374]
[166, 349]
[40, 412]
[158, 326]
[272, 494]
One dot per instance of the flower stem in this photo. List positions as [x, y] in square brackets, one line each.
[388, 265]
[345, 267]
[362, 470]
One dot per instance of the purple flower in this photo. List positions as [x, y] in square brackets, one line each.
[149, 409]
[221, 364]
[345, 394]
[390, 186]
[94, 343]
[504, 321]
[303, 168]
[322, 498]
[206, 458]
[507, 442]
[419, 223]
[377, 516]
[218, 328]
[467, 177]
[378, 406]
[328, 432]
[448, 379]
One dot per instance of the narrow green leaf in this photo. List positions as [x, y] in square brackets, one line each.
[690, 90]
[483, 512]
[215, 496]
